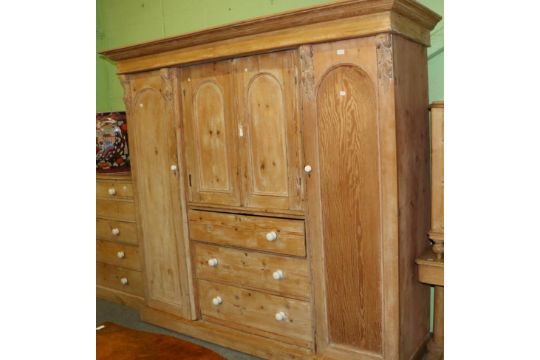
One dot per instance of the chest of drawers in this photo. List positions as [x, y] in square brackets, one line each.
[119, 275]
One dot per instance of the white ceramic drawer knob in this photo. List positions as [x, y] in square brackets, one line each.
[278, 275]
[120, 255]
[271, 236]
[174, 167]
[217, 300]
[112, 191]
[213, 262]
[124, 281]
[115, 231]
[307, 168]
[280, 316]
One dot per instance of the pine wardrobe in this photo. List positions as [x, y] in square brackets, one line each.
[281, 179]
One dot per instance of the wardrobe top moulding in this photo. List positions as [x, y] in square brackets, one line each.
[323, 23]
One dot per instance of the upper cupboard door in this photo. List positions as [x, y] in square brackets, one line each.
[270, 146]
[210, 131]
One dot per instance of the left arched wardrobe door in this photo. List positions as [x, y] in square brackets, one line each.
[158, 183]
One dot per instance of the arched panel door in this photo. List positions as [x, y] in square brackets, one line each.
[156, 174]
[270, 151]
[348, 172]
[210, 134]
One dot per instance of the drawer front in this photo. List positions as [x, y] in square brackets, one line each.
[115, 209]
[112, 253]
[118, 231]
[249, 309]
[114, 277]
[284, 275]
[248, 231]
[114, 189]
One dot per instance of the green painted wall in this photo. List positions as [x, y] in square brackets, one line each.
[123, 22]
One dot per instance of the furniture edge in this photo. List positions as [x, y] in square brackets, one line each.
[410, 9]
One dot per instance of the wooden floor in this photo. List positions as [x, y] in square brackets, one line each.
[125, 316]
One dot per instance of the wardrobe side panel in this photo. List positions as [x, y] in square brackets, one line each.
[412, 125]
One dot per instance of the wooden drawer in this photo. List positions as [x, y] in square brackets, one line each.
[112, 253]
[115, 209]
[117, 231]
[114, 189]
[111, 276]
[248, 231]
[256, 312]
[253, 270]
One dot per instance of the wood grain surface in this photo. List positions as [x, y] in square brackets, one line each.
[350, 206]
[127, 231]
[110, 276]
[254, 270]
[252, 310]
[248, 231]
[153, 151]
[270, 147]
[107, 252]
[210, 141]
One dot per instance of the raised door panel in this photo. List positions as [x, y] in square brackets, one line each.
[270, 137]
[210, 134]
[343, 195]
[153, 146]
[350, 206]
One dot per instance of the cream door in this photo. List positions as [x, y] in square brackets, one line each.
[158, 189]
[210, 134]
[270, 146]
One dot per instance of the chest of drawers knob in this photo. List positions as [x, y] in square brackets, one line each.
[124, 281]
[278, 275]
[120, 255]
[217, 300]
[271, 236]
[112, 191]
[307, 169]
[115, 231]
[213, 262]
[280, 316]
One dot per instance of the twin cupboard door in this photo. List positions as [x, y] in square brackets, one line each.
[269, 117]
[243, 145]
[152, 140]
[210, 124]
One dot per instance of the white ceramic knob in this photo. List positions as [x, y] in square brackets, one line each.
[112, 191]
[307, 168]
[280, 316]
[120, 255]
[115, 231]
[278, 275]
[124, 281]
[271, 236]
[174, 167]
[217, 300]
[213, 262]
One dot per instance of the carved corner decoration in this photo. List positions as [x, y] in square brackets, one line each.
[166, 78]
[124, 79]
[306, 69]
[385, 65]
